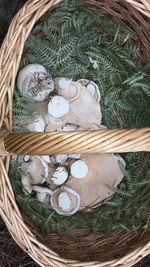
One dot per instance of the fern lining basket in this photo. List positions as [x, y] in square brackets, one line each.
[119, 249]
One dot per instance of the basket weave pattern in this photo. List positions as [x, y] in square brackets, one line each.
[134, 14]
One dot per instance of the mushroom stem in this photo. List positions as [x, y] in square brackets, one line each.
[79, 169]
[43, 197]
[64, 83]
[43, 190]
[60, 176]
[58, 108]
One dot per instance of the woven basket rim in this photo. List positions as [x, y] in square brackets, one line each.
[19, 30]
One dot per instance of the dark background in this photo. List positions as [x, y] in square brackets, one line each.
[10, 254]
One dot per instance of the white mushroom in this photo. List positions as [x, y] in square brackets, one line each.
[43, 194]
[74, 156]
[26, 158]
[37, 125]
[60, 176]
[58, 108]
[45, 166]
[68, 128]
[65, 201]
[104, 172]
[35, 169]
[26, 184]
[41, 189]
[61, 159]
[54, 125]
[43, 197]
[34, 81]
[46, 159]
[84, 110]
[92, 88]
[67, 88]
[79, 169]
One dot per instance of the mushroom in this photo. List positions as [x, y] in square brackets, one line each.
[45, 166]
[68, 128]
[46, 159]
[84, 110]
[43, 194]
[58, 110]
[104, 172]
[120, 159]
[37, 125]
[43, 197]
[79, 169]
[60, 176]
[37, 170]
[65, 201]
[26, 158]
[67, 88]
[61, 159]
[34, 81]
[54, 125]
[92, 88]
[26, 184]
[74, 156]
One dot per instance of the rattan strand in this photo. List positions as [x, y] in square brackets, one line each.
[100, 141]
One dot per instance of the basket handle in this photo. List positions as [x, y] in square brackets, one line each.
[98, 141]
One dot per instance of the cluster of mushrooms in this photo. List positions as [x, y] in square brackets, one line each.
[69, 182]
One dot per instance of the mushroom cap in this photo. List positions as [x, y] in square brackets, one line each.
[35, 170]
[26, 184]
[38, 125]
[26, 158]
[104, 172]
[46, 158]
[74, 156]
[92, 88]
[45, 166]
[60, 176]
[35, 78]
[84, 111]
[79, 169]
[54, 125]
[68, 128]
[61, 159]
[58, 107]
[65, 201]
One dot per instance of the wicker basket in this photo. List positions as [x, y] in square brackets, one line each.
[120, 249]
